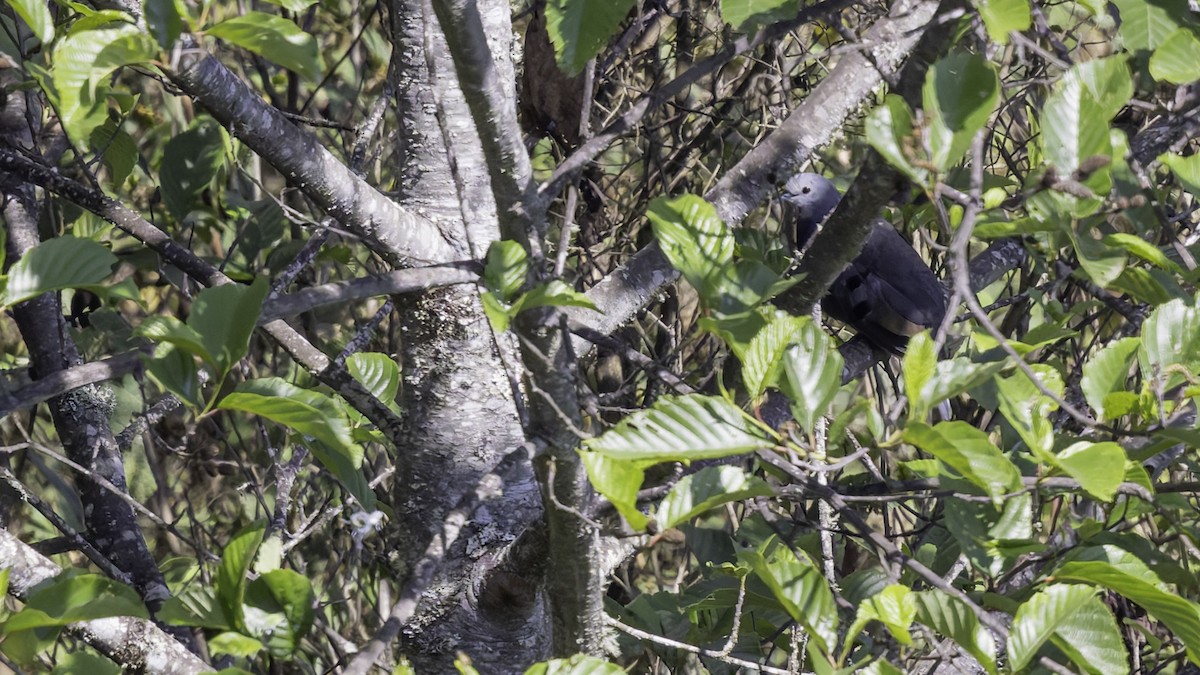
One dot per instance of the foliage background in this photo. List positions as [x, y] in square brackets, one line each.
[309, 313]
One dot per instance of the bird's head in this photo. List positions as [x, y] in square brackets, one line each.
[810, 199]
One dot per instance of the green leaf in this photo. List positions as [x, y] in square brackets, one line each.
[168, 329]
[695, 240]
[1122, 559]
[73, 597]
[1076, 116]
[1027, 409]
[1142, 248]
[953, 377]
[314, 415]
[506, 269]
[4, 573]
[275, 39]
[960, 93]
[920, 363]
[1186, 170]
[968, 451]
[1040, 616]
[1144, 26]
[234, 644]
[747, 16]
[1091, 638]
[681, 428]
[996, 226]
[165, 21]
[1180, 616]
[190, 162]
[579, 29]
[379, 373]
[1106, 372]
[1100, 262]
[737, 330]
[62, 262]
[1099, 467]
[991, 535]
[889, 129]
[1175, 59]
[231, 573]
[1154, 287]
[36, 15]
[895, 607]
[619, 480]
[294, 6]
[175, 370]
[119, 151]
[82, 61]
[1170, 340]
[799, 587]
[554, 293]
[499, 314]
[814, 372]
[195, 606]
[73, 663]
[762, 361]
[879, 667]
[952, 617]
[579, 664]
[279, 609]
[1001, 17]
[225, 317]
[707, 489]
[741, 286]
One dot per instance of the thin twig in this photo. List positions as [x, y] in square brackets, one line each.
[693, 649]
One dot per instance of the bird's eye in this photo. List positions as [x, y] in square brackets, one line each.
[806, 190]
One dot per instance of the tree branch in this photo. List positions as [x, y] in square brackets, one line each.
[135, 644]
[402, 238]
[295, 344]
[811, 125]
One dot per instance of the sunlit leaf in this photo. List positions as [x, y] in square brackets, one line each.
[275, 39]
[799, 586]
[579, 29]
[961, 91]
[681, 428]
[579, 664]
[694, 239]
[506, 269]
[1027, 408]
[37, 16]
[707, 489]
[763, 360]
[814, 372]
[1040, 616]
[313, 415]
[231, 573]
[62, 262]
[1001, 17]
[889, 129]
[619, 480]
[1180, 616]
[952, 617]
[1099, 467]
[1106, 372]
[968, 451]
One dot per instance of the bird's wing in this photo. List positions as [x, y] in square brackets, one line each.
[909, 291]
[888, 292]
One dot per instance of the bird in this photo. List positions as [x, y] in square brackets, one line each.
[887, 293]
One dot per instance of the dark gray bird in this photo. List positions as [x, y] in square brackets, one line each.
[888, 293]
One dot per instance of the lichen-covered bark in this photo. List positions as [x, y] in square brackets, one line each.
[460, 406]
[81, 419]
